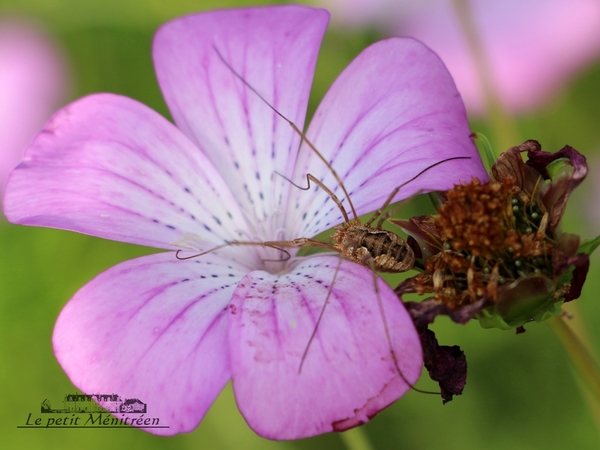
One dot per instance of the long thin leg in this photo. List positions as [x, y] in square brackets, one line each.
[380, 210]
[392, 211]
[385, 324]
[227, 244]
[295, 128]
[388, 336]
[312, 336]
[309, 178]
[299, 242]
[395, 191]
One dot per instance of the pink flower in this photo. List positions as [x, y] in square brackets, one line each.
[172, 333]
[31, 85]
[532, 47]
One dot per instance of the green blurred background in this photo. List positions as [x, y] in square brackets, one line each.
[521, 391]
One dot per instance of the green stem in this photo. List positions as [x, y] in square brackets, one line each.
[356, 439]
[506, 135]
[582, 359]
[502, 124]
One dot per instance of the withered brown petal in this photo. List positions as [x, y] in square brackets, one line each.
[582, 265]
[423, 313]
[447, 365]
[510, 163]
[558, 192]
[424, 232]
[539, 160]
[408, 286]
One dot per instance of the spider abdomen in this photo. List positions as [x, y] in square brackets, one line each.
[382, 250]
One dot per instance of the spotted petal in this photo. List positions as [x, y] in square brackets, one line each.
[274, 51]
[348, 373]
[111, 167]
[393, 112]
[152, 329]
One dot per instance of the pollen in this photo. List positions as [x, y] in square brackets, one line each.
[492, 233]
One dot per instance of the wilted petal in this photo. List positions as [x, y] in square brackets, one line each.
[392, 113]
[348, 374]
[423, 233]
[582, 266]
[111, 167]
[274, 50]
[564, 182]
[446, 365]
[155, 329]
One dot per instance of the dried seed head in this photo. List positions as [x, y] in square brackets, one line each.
[490, 231]
[498, 244]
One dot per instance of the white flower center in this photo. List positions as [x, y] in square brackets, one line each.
[273, 258]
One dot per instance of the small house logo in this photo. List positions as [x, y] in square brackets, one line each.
[132, 405]
[93, 411]
[82, 403]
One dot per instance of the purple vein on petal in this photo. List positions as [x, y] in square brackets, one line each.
[246, 166]
[275, 325]
[156, 291]
[152, 193]
[280, 44]
[150, 344]
[335, 361]
[367, 119]
[93, 153]
[179, 316]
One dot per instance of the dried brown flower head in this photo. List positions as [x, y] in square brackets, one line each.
[500, 241]
[495, 251]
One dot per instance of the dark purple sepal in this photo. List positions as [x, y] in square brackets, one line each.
[563, 182]
[423, 313]
[581, 263]
[447, 365]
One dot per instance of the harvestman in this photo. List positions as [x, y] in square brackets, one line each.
[365, 244]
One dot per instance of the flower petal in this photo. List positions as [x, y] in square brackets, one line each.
[562, 33]
[153, 329]
[348, 374]
[274, 50]
[32, 81]
[563, 182]
[391, 114]
[111, 167]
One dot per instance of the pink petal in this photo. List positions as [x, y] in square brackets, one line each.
[562, 35]
[393, 112]
[154, 329]
[532, 47]
[348, 374]
[370, 13]
[32, 81]
[111, 167]
[274, 49]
